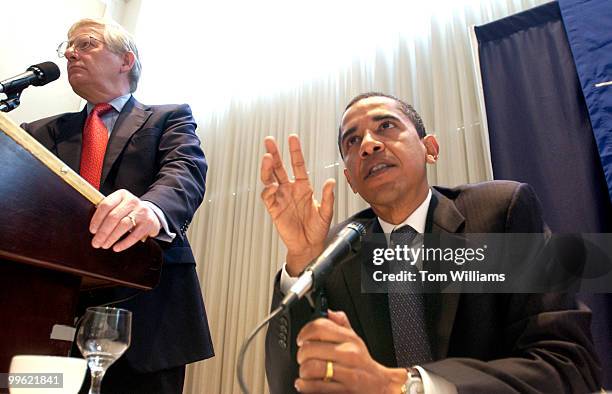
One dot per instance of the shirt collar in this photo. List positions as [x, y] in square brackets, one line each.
[117, 103]
[416, 220]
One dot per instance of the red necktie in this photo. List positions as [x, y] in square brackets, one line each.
[95, 138]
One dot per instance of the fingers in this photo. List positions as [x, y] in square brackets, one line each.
[319, 386]
[277, 186]
[277, 165]
[111, 222]
[123, 227]
[297, 158]
[327, 200]
[272, 164]
[104, 208]
[312, 374]
[332, 340]
[317, 369]
[313, 371]
[267, 170]
[325, 330]
[339, 318]
[145, 227]
[317, 350]
[268, 194]
[109, 214]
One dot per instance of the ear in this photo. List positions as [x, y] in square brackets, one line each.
[432, 147]
[348, 179]
[128, 61]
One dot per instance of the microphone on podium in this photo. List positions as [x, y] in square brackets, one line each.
[36, 75]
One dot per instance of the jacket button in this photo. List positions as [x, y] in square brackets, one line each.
[282, 337]
[282, 344]
[283, 329]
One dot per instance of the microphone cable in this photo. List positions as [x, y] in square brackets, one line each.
[245, 345]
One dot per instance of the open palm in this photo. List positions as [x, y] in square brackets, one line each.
[302, 222]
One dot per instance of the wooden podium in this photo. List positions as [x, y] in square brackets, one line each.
[46, 256]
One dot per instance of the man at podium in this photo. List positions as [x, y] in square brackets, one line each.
[394, 342]
[147, 160]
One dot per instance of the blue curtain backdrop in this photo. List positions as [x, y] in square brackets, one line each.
[588, 24]
[540, 133]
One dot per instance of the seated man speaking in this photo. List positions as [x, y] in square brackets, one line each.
[388, 343]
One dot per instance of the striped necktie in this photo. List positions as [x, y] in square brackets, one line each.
[407, 311]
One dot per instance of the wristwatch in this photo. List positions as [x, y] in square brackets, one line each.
[414, 383]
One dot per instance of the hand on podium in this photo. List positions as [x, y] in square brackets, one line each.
[119, 213]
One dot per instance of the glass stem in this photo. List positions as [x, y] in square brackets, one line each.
[96, 381]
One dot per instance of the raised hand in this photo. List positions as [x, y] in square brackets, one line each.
[302, 222]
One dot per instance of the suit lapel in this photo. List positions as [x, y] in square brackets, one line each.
[372, 309]
[130, 120]
[442, 217]
[68, 133]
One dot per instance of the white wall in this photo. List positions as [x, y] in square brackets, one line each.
[31, 32]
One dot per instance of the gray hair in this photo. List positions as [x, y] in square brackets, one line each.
[118, 41]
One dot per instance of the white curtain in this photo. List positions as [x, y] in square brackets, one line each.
[252, 69]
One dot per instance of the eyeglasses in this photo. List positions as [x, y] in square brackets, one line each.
[80, 44]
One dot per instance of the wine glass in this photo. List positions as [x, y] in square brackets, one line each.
[104, 335]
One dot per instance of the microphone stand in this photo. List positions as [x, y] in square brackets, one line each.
[318, 303]
[11, 102]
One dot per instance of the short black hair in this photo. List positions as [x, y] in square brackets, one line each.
[406, 109]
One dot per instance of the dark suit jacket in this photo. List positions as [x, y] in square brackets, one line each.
[154, 153]
[483, 343]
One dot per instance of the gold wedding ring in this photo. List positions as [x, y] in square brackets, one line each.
[329, 371]
[132, 220]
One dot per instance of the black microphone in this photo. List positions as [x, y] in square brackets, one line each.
[37, 75]
[313, 276]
